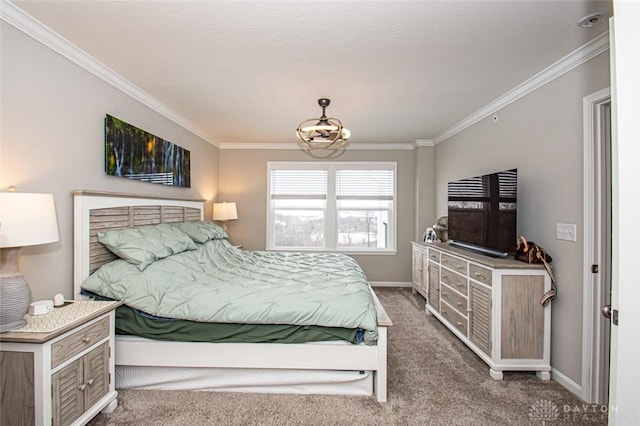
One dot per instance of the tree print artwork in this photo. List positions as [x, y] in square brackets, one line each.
[132, 153]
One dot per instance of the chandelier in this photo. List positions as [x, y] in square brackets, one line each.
[324, 132]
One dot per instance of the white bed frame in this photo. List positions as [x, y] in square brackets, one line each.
[145, 352]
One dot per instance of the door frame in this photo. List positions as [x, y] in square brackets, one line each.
[592, 106]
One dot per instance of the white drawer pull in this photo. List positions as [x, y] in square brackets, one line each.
[459, 323]
[444, 294]
[459, 303]
[86, 339]
[83, 387]
[479, 275]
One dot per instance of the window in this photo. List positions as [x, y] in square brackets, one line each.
[343, 206]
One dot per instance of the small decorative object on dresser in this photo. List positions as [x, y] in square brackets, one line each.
[441, 227]
[530, 252]
[492, 305]
[59, 368]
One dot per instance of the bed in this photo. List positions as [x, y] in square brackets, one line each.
[325, 366]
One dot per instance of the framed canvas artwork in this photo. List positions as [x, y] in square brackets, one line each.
[133, 153]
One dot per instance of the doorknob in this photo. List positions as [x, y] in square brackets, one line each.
[606, 311]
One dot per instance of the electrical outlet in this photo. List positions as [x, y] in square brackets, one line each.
[566, 231]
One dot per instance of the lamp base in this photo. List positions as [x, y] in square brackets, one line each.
[15, 294]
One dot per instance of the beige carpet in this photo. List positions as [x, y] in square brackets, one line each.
[433, 379]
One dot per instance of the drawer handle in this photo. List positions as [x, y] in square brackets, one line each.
[83, 387]
[86, 339]
[444, 294]
[459, 303]
[444, 312]
[90, 382]
[444, 276]
[479, 275]
[459, 323]
[460, 285]
[458, 266]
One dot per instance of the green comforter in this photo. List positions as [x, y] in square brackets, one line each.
[219, 283]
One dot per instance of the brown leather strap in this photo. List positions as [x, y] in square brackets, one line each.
[552, 293]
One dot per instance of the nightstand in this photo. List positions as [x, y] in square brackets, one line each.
[59, 369]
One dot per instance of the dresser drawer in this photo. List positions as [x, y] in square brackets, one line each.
[77, 342]
[434, 255]
[454, 318]
[454, 263]
[454, 280]
[455, 299]
[479, 273]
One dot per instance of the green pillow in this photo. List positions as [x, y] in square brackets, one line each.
[202, 231]
[144, 245]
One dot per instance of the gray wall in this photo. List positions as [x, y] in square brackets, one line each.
[243, 179]
[52, 141]
[540, 134]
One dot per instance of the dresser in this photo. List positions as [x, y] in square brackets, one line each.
[492, 305]
[59, 368]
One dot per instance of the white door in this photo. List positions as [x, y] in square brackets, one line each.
[597, 246]
[605, 230]
[624, 408]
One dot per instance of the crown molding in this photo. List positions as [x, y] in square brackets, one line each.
[258, 145]
[572, 60]
[298, 146]
[24, 22]
[423, 142]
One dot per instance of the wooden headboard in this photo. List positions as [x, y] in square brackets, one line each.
[95, 212]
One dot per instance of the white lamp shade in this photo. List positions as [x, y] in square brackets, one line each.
[27, 219]
[224, 211]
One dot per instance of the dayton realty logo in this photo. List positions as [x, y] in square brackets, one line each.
[543, 410]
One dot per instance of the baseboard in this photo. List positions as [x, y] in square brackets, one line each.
[395, 284]
[566, 382]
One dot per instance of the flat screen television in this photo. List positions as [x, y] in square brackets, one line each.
[482, 213]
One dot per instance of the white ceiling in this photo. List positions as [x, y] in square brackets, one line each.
[250, 71]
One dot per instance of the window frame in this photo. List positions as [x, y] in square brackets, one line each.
[331, 206]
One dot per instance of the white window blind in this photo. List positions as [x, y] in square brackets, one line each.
[298, 183]
[364, 184]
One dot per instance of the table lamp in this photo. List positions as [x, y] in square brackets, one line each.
[224, 212]
[25, 220]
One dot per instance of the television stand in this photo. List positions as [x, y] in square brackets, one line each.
[492, 305]
[479, 249]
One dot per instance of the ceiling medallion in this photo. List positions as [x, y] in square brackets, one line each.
[324, 132]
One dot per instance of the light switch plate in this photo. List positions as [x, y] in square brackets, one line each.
[566, 231]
